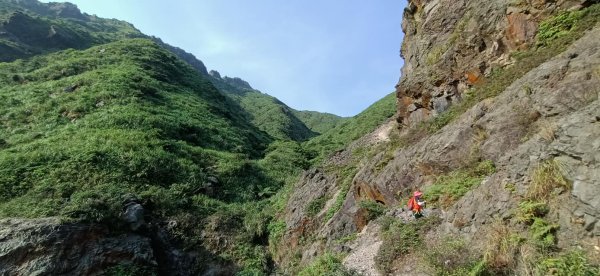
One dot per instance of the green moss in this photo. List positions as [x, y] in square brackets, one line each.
[510, 187]
[435, 54]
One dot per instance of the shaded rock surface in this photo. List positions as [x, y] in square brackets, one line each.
[49, 247]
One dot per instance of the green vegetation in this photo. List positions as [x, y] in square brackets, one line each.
[554, 36]
[559, 25]
[267, 113]
[399, 239]
[543, 233]
[570, 263]
[450, 187]
[276, 230]
[346, 239]
[451, 256]
[30, 25]
[319, 122]
[326, 264]
[511, 251]
[529, 210]
[547, 178]
[315, 206]
[345, 177]
[373, 209]
[436, 53]
[352, 129]
[83, 130]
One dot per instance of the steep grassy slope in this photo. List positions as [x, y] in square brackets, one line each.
[83, 130]
[28, 28]
[317, 121]
[122, 118]
[266, 112]
[351, 129]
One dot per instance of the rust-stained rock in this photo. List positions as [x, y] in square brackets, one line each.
[521, 30]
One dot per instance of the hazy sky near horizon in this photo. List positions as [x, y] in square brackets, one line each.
[328, 56]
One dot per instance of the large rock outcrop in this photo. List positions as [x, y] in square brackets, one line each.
[48, 246]
[451, 45]
[550, 113]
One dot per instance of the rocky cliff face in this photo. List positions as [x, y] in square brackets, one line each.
[545, 119]
[451, 45]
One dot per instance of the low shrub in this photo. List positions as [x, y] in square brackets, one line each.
[558, 26]
[450, 187]
[276, 231]
[547, 179]
[346, 239]
[373, 209]
[326, 264]
[315, 206]
[450, 256]
[399, 239]
[346, 175]
[570, 263]
[543, 234]
[502, 251]
[529, 210]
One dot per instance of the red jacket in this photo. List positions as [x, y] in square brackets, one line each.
[412, 205]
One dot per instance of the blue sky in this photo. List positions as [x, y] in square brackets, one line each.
[329, 56]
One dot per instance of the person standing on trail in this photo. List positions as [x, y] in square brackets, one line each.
[416, 204]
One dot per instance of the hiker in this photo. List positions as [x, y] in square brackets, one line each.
[416, 204]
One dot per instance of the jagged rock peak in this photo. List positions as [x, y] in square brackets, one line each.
[65, 10]
[215, 74]
[237, 82]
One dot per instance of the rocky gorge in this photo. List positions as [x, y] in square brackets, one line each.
[496, 118]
